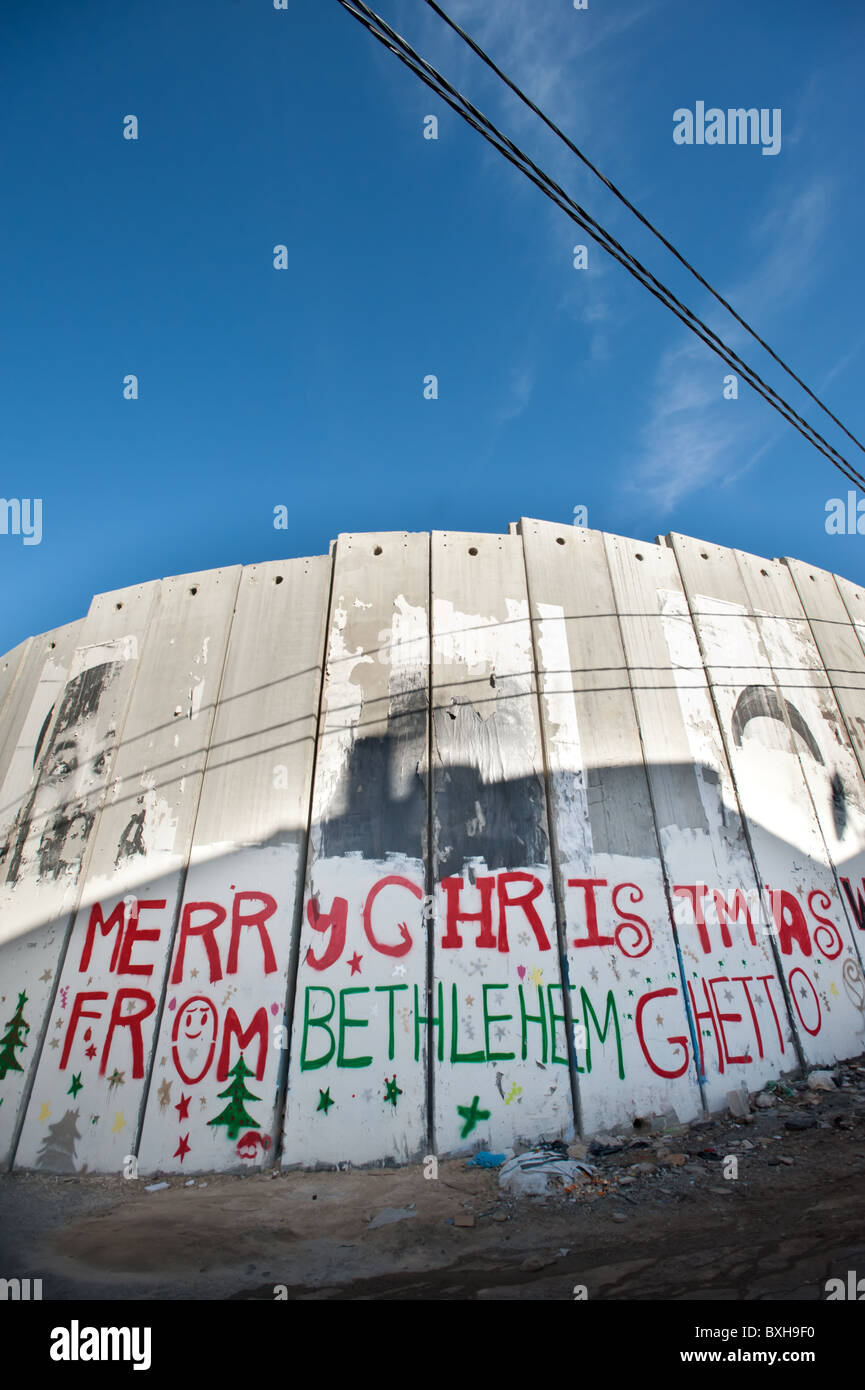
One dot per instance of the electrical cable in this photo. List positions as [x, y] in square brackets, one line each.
[443, 89]
[485, 58]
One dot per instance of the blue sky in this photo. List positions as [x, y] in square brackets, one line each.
[304, 387]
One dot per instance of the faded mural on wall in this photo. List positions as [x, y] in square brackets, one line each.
[435, 842]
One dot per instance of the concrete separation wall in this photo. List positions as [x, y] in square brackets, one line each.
[435, 842]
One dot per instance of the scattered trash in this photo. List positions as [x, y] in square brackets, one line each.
[542, 1170]
[390, 1214]
[488, 1160]
[190, 1182]
[764, 1101]
[599, 1150]
[800, 1122]
[821, 1081]
[465, 1220]
[618, 1216]
[157, 1187]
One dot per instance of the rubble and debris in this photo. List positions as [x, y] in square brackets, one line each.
[543, 1170]
[488, 1160]
[821, 1081]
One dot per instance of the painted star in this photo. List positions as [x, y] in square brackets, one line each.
[325, 1101]
[182, 1107]
[182, 1148]
[90, 1052]
[728, 995]
[536, 975]
[391, 1090]
[162, 1061]
[202, 1101]
[659, 1020]
[59, 1023]
[94, 1119]
[193, 1052]
[398, 970]
[119, 1122]
[593, 974]
[193, 974]
[55, 1042]
[471, 1115]
[469, 1000]
[500, 1032]
[44, 1113]
[46, 975]
[803, 993]
[77, 1085]
[116, 1078]
[355, 963]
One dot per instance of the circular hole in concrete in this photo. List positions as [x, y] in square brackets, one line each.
[118, 606]
[765, 574]
[278, 579]
[703, 555]
[193, 592]
[560, 540]
[638, 556]
[473, 550]
[377, 550]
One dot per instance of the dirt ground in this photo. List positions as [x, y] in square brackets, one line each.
[658, 1220]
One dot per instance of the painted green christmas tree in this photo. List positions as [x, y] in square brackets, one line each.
[235, 1115]
[12, 1038]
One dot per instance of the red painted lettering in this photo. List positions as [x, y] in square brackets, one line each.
[631, 923]
[335, 921]
[239, 919]
[674, 1042]
[207, 931]
[256, 1029]
[588, 886]
[116, 919]
[453, 887]
[404, 944]
[526, 902]
[78, 1011]
[134, 933]
[133, 1022]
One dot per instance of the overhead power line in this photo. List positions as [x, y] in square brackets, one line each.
[469, 113]
[527, 101]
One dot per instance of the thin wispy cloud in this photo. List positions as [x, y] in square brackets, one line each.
[693, 435]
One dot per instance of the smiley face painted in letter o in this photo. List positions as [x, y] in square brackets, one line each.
[193, 1035]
